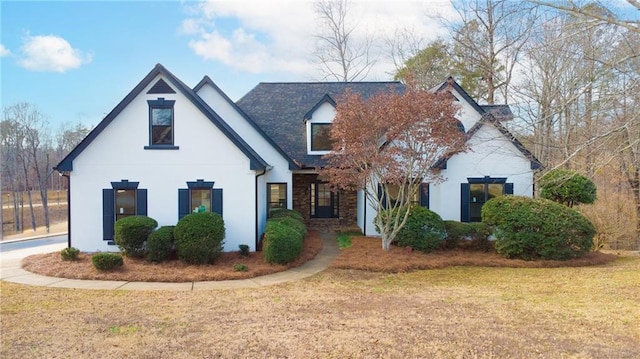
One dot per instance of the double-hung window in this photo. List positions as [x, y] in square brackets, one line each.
[199, 196]
[161, 124]
[320, 137]
[123, 199]
[276, 196]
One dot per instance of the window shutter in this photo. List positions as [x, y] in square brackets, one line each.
[382, 196]
[508, 188]
[424, 195]
[464, 202]
[216, 201]
[108, 215]
[141, 202]
[183, 202]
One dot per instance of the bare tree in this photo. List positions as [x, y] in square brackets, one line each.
[572, 7]
[488, 41]
[340, 52]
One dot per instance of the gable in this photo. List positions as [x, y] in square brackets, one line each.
[256, 162]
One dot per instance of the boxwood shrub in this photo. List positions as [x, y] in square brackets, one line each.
[282, 244]
[282, 212]
[130, 234]
[293, 223]
[530, 228]
[199, 237]
[69, 254]
[160, 244]
[473, 235]
[423, 231]
[107, 261]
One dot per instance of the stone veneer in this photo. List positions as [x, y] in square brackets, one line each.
[348, 206]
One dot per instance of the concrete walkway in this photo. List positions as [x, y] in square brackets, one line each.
[11, 271]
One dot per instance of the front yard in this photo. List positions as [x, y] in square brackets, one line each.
[455, 312]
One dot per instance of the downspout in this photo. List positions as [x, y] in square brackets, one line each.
[63, 174]
[364, 220]
[256, 209]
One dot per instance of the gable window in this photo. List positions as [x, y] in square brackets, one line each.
[123, 199]
[477, 192]
[161, 124]
[199, 196]
[276, 196]
[320, 139]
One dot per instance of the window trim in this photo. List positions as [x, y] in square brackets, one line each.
[286, 196]
[310, 149]
[161, 103]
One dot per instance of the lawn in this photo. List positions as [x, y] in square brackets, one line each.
[454, 312]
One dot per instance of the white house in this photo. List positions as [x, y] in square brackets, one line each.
[167, 149]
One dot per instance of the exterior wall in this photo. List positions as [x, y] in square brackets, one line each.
[491, 154]
[118, 153]
[325, 113]
[466, 113]
[279, 171]
[348, 205]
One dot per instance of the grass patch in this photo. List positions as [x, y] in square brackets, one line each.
[344, 238]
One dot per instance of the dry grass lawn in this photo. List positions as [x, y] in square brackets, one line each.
[456, 312]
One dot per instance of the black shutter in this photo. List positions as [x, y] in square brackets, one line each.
[464, 202]
[216, 201]
[382, 196]
[508, 188]
[108, 215]
[424, 195]
[141, 202]
[183, 202]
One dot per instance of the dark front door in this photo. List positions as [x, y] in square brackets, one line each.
[324, 202]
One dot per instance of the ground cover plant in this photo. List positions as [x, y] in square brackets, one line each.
[457, 312]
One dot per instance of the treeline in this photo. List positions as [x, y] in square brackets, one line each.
[29, 150]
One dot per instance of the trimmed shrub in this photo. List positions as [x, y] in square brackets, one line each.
[567, 187]
[282, 244]
[131, 233]
[160, 244]
[282, 212]
[69, 254]
[295, 224]
[199, 237]
[107, 261]
[244, 250]
[424, 230]
[530, 228]
[473, 235]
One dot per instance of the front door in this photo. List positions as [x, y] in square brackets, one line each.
[324, 202]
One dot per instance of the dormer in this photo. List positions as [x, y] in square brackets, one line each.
[318, 122]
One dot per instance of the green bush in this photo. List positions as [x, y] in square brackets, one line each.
[295, 224]
[567, 187]
[132, 232]
[282, 244]
[69, 254]
[160, 244]
[424, 230]
[474, 235]
[107, 261]
[530, 228]
[199, 237]
[239, 267]
[282, 212]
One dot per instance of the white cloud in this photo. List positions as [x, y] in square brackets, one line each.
[270, 36]
[51, 53]
[4, 51]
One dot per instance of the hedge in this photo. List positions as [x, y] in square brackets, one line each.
[199, 237]
[131, 233]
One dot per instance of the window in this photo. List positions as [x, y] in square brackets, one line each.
[276, 196]
[320, 139]
[123, 199]
[477, 192]
[324, 202]
[161, 127]
[199, 196]
[420, 198]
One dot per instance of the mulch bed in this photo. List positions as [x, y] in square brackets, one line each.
[367, 254]
[139, 270]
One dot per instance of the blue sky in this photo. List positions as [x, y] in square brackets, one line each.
[76, 60]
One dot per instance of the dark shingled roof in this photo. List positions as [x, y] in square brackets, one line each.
[499, 112]
[280, 108]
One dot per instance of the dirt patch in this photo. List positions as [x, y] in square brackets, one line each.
[367, 254]
[139, 270]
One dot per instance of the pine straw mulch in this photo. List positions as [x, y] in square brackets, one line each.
[367, 254]
[139, 270]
